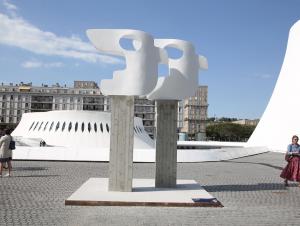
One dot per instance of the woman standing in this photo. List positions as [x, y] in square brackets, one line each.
[292, 170]
[5, 152]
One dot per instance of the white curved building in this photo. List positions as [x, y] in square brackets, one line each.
[85, 129]
[281, 120]
[85, 136]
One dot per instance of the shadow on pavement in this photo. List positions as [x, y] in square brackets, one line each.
[36, 176]
[257, 163]
[29, 168]
[247, 187]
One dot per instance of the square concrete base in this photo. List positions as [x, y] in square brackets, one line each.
[188, 193]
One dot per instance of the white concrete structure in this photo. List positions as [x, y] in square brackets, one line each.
[83, 129]
[281, 119]
[94, 145]
[182, 80]
[140, 74]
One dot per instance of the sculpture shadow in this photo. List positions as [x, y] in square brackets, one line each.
[29, 168]
[179, 187]
[247, 187]
[36, 176]
[256, 163]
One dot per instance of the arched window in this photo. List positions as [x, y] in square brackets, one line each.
[45, 127]
[31, 126]
[40, 126]
[51, 126]
[89, 127]
[101, 127]
[36, 125]
[63, 126]
[107, 128]
[134, 129]
[76, 126]
[70, 126]
[95, 127]
[82, 126]
[57, 126]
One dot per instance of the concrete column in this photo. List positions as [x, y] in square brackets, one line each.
[166, 144]
[121, 143]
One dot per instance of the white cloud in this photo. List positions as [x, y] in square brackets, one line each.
[9, 6]
[17, 32]
[39, 64]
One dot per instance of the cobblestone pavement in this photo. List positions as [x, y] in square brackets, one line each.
[250, 189]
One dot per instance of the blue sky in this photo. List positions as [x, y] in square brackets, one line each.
[243, 40]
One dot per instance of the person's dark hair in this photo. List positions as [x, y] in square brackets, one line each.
[7, 131]
[295, 136]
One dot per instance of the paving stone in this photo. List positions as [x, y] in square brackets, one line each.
[250, 189]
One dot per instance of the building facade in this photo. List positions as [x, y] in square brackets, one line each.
[86, 95]
[192, 115]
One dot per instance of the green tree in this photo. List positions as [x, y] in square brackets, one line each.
[226, 131]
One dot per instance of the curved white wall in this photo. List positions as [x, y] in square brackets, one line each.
[281, 119]
[92, 129]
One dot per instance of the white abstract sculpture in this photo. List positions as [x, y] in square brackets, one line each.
[281, 119]
[182, 80]
[140, 74]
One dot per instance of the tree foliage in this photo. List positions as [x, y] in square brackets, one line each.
[227, 131]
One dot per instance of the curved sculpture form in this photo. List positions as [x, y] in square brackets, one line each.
[281, 119]
[182, 80]
[140, 74]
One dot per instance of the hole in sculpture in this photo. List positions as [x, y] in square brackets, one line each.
[163, 70]
[130, 44]
[174, 53]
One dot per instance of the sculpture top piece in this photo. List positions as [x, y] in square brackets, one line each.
[182, 80]
[140, 74]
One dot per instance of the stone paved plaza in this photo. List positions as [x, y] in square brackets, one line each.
[250, 189]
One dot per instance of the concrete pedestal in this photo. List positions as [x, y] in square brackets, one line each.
[166, 144]
[121, 143]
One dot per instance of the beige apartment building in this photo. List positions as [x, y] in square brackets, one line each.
[192, 115]
[16, 99]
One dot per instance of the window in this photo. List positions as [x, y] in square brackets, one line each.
[101, 127]
[63, 126]
[82, 126]
[36, 125]
[51, 126]
[31, 126]
[57, 126]
[89, 127]
[45, 127]
[70, 126]
[95, 127]
[41, 126]
[76, 126]
[107, 128]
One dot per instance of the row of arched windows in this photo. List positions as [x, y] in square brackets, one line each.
[37, 126]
